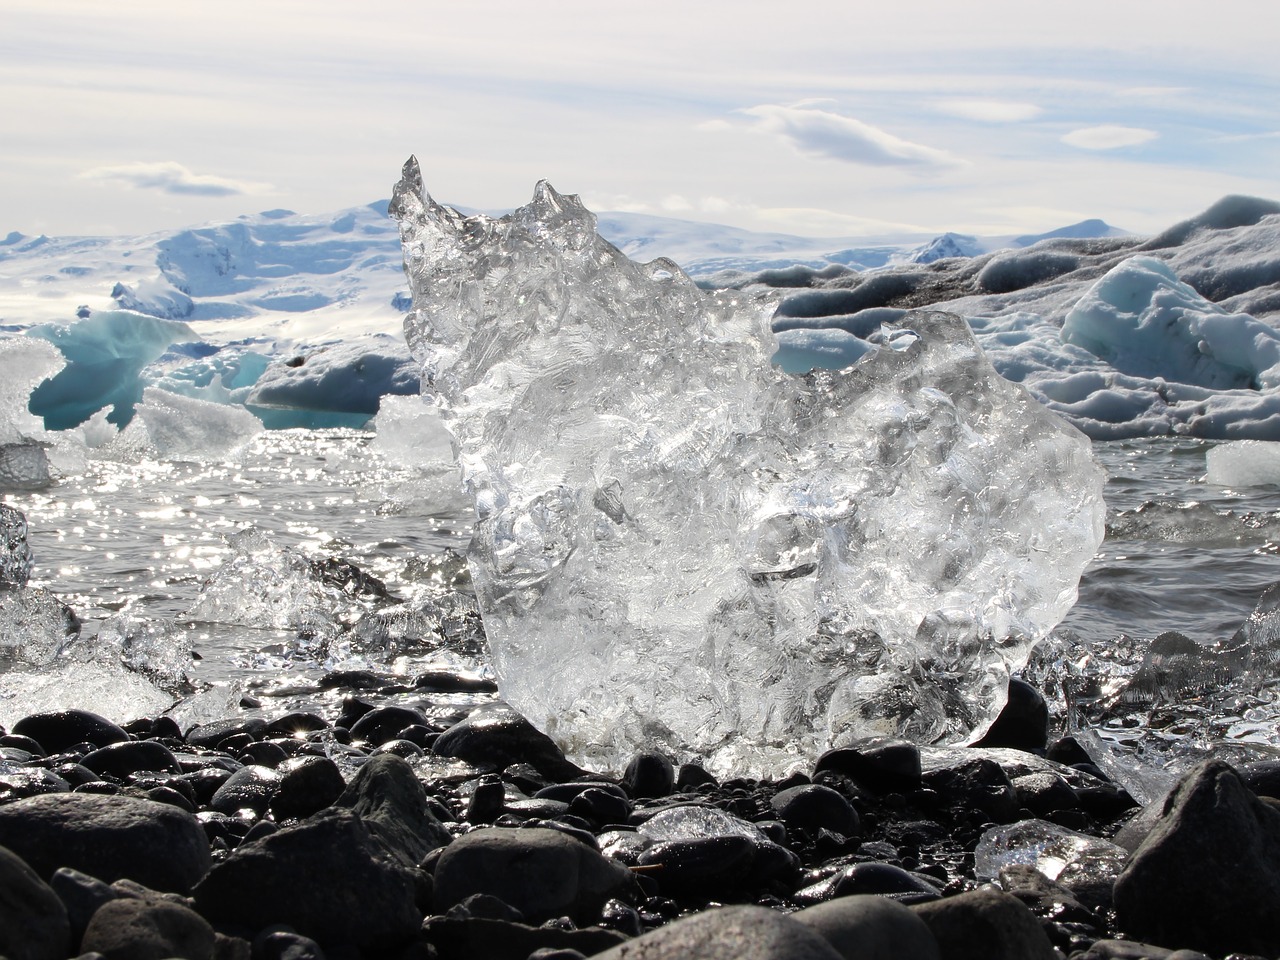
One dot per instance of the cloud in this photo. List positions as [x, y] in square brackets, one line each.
[174, 178]
[990, 111]
[1108, 137]
[822, 133]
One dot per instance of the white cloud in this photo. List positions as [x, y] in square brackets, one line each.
[825, 134]
[1108, 137]
[174, 178]
[990, 111]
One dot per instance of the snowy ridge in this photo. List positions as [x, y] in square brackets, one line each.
[300, 317]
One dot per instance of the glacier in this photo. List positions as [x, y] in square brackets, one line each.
[681, 546]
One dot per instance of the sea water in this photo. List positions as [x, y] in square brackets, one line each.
[143, 539]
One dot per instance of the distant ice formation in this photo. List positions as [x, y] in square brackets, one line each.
[105, 355]
[681, 546]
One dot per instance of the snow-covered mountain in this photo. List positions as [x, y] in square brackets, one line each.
[286, 280]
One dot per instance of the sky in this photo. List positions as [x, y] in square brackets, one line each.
[831, 119]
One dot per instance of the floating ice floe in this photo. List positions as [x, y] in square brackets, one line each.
[681, 546]
[175, 427]
[1244, 463]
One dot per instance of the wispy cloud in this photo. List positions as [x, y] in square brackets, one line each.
[822, 133]
[171, 177]
[989, 111]
[1108, 137]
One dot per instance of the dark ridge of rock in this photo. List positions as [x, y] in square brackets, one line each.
[390, 800]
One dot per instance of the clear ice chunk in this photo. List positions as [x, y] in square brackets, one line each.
[173, 427]
[15, 552]
[1073, 859]
[683, 547]
[697, 823]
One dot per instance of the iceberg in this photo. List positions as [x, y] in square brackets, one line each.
[681, 546]
[105, 356]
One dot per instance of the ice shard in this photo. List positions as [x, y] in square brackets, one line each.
[681, 546]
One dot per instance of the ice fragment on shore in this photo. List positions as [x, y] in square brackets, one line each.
[682, 547]
[15, 552]
[1073, 859]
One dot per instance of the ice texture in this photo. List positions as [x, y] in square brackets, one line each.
[175, 427]
[1149, 711]
[1244, 463]
[15, 552]
[105, 356]
[1073, 859]
[681, 546]
[1144, 321]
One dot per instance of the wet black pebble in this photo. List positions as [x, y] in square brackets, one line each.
[813, 807]
[249, 788]
[385, 723]
[879, 764]
[1023, 723]
[649, 774]
[56, 731]
[306, 786]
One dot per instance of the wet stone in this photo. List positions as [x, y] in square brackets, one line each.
[985, 924]
[296, 723]
[498, 736]
[385, 723]
[59, 730]
[108, 837]
[542, 873]
[33, 920]
[870, 928]
[1023, 723]
[274, 881]
[81, 895]
[813, 807]
[879, 764]
[249, 788]
[649, 774]
[390, 800]
[306, 785]
[729, 933]
[122, 759]
[129, 929]
[263, 753]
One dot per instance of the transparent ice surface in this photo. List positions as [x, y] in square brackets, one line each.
[1148, 711]
[24, 466]
[680, 546]
[34, 626]
[15, 552]
[1060, 854]
[104, 688]
[265, 585]
[696, 823]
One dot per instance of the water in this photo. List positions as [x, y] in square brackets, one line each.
[142, 539]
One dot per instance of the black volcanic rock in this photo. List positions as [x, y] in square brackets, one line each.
[326, 877]
[108, 837]
[1207, 875]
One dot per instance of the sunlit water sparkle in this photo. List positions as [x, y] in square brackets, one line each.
[143, 538]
